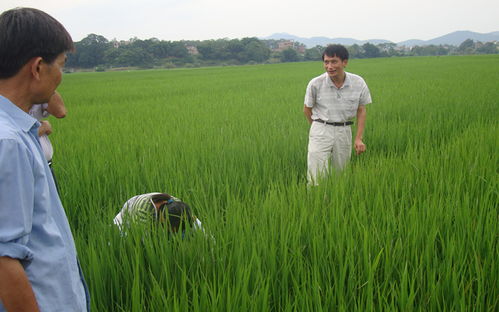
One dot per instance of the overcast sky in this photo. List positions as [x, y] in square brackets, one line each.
[394, 20]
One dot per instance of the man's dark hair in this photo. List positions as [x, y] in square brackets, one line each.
[156, 198]
[179, 215]
[26, 33]
[337, 50]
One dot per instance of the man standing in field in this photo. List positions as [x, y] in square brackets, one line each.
[39, 269]
[332, 101]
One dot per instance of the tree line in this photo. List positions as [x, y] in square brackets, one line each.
[98, 53]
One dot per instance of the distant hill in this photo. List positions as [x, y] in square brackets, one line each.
[457, 37]
[323, 41]
[454, 38]
[413, 42]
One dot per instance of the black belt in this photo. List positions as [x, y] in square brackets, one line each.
[337, 124]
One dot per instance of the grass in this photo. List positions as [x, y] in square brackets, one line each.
[411, 225]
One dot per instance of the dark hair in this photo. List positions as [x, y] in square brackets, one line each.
[179, 215]
[156, 198]
[26, 33]
[336, 50]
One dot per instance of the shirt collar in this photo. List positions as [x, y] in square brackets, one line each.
[20, 117]
[347, 82]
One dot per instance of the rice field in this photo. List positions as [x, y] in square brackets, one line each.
[411, 225]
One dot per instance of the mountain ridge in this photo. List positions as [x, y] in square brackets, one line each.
[454, 38]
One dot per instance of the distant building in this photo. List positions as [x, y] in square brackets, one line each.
[193, 50]
[116, 44]
[284, 44]
[300, 48]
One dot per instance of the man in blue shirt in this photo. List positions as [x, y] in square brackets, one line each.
[39, 270]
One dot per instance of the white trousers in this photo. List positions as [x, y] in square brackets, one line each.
[327, 142]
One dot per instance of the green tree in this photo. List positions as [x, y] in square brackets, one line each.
[289, 55]
[355, 51]
[214, 50]
[387, 49]
[178, 50]
[129, 56]
[314, 54]
[159, 49]
[236, 49]
[467, 46]
[254, 50]
[90, 52]
[429, 50]
[488, 48]
[370, 50]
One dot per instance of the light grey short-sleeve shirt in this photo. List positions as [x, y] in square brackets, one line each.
[39, 111]
[333, 104]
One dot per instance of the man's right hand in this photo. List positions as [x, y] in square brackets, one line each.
[16, 293]
[307, 111]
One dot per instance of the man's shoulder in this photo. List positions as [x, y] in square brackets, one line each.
[319, 79]
[355, 79]
[8, 129]
[13, 143]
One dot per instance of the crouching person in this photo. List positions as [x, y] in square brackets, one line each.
[157, 208]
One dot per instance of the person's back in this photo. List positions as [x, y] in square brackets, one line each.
[139, 208]
[159, 209]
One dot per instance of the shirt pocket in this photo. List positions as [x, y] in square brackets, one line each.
[351, 106]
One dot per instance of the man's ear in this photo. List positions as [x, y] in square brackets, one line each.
[36, 64]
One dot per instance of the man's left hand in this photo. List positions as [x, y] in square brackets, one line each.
[45, 128]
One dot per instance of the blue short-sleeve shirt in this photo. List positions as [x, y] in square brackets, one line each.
[33, 225]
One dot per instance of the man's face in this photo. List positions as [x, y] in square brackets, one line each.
[51, 76]
[334, 66]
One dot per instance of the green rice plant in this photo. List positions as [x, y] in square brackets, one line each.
[411, 225]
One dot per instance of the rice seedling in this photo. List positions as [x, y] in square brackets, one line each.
[411, 225]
